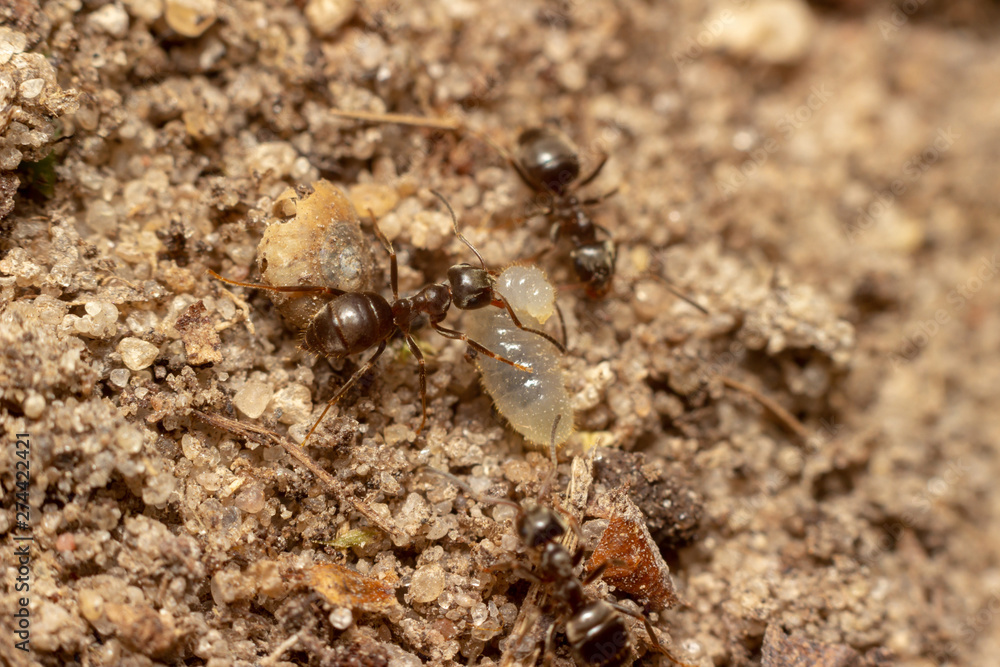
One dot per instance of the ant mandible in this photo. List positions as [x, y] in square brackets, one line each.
[595, 629]
[353, 322]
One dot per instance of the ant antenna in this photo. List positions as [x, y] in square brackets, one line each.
[489, 500]
[555, 461]
[679, 294]
[454, 222]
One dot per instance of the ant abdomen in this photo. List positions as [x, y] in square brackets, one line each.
[548, 159]
[351, 323]
[598, 636]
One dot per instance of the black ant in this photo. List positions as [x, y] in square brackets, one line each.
[549, 165]
[595, 629]
[353, 322]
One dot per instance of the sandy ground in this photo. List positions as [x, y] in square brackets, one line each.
[822, 177]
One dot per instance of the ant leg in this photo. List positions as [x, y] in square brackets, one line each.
[347, 385]
[458, 335]
[501, 302]
[593, 174]
[550, 645]
[679, 294]
[393, 265]
[562, 325]
[423, 374]
[304, 289]
[652, 634]
[595, 574]
[597, 200]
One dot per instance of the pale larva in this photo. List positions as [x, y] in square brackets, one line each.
[528, 401]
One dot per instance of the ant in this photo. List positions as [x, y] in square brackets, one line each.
[595, 629]
[549, 165]
[353, 322]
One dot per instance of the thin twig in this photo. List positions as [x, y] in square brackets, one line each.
[783, 415]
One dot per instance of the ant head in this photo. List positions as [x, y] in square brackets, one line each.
[548, 160]
[539, 526]
[471, 286]
[595, 265]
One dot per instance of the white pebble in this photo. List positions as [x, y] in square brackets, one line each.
[772, 31]
[191, 18]
[32, 88]
[427, 583]
[11, 42]
[341, 618]
[119, 377]
[150, 10]
[112, 19]
[326, 16]
[137, 354]
[253, 398]
[33, 406]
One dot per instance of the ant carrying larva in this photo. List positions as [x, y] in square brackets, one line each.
[352, 322]
[595, 629]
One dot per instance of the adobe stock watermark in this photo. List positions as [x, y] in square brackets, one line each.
[776, 479]
[899, 16]
[921, 503]
[693, 46]
[972, 627]
[913, 170]
[922, 333]
[789, 123]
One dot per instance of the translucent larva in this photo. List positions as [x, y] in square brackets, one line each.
[528, 401]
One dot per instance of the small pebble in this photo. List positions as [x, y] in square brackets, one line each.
[374, 197]
[34, 406]
[11, 42]
[253, 398]
[428, 583]
[191, 18]
[137, 354]
[119, 377]
[32, 88]
[341, 618]
[91, 604]
[251, 499]
[778, 32]
[65, 542]
[295, 403]
[150, 10]
[112, 19]
[326, 16]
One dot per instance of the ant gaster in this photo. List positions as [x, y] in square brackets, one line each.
[595, 629]
[353, 322]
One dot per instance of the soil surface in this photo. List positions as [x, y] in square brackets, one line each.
[815, 459]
